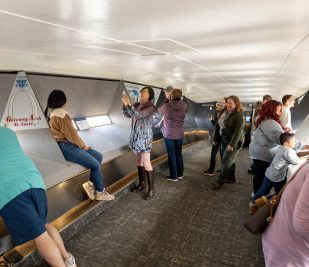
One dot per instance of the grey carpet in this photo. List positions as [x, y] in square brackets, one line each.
[186, 224]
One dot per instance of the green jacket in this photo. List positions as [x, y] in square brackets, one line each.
[233, 132]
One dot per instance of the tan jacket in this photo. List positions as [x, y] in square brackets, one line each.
[62, 128]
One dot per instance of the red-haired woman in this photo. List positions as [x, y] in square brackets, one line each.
[231, 132]
[265, 140]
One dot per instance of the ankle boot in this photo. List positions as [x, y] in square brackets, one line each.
[141, 180]
[150, 179]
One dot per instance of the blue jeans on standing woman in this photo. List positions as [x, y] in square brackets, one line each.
[174, 153]
[91, 159]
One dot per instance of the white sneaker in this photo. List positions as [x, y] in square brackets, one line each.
[104, 196]
[70, 262]
[89, 189]
[180, 177]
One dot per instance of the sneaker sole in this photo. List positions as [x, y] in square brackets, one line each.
[209, 174]
[106, 199]
[171, 179]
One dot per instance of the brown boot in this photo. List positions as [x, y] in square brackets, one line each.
[150, 179]
[141, 180]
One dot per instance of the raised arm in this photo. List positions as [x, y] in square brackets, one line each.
[125, 111]
[144, 113]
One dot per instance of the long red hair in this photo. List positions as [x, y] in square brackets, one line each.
[268, 112]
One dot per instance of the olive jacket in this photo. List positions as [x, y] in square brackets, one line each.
[233, 130]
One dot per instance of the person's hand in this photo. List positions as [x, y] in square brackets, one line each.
[157, 125]
[214, 143]
[287, 130]
[230, 148]
[125, 100]
[210, 117]
[168, 95]
[86, 147]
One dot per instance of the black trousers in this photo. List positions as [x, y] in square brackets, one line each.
[213, 159]
[260, 167]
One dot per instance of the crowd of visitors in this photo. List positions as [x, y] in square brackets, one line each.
[273, 148]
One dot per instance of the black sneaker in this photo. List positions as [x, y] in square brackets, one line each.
[215, 185]
[230, 181]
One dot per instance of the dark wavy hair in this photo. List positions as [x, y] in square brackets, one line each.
[268, 112]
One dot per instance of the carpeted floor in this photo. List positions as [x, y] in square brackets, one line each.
[186, 224]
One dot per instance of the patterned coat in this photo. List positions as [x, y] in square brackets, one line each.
[141, 133]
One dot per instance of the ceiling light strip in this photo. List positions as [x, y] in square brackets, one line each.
[190, 47]
[114, 50]
[148, 48]
[205, 68]
[56, 25]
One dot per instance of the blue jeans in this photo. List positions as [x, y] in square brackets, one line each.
[91, 159]
[267, 185]
[174, 153]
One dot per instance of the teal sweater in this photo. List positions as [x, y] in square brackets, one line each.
[17, 172]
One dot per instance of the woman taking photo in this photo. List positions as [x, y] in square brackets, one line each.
[141, 136]
[73, 147]
[174, 112]
[231, 132]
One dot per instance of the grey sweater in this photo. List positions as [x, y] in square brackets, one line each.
[265, 140]
[278, 168]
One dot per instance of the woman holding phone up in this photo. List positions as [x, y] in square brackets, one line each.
[141, 136]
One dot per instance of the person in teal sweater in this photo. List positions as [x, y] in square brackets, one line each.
[231, 132]
[23, 203]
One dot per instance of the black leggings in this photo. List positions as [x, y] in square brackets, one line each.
[260, 167]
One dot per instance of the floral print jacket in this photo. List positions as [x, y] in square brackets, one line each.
[141, 133]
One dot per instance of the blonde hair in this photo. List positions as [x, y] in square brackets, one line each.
[176, 94]
[235, 99]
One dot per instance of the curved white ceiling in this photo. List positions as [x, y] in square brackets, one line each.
[210, 49]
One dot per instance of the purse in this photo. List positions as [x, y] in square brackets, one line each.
[257, 222]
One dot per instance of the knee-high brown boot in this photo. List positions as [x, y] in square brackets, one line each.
[141, 180]
[150, 179]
